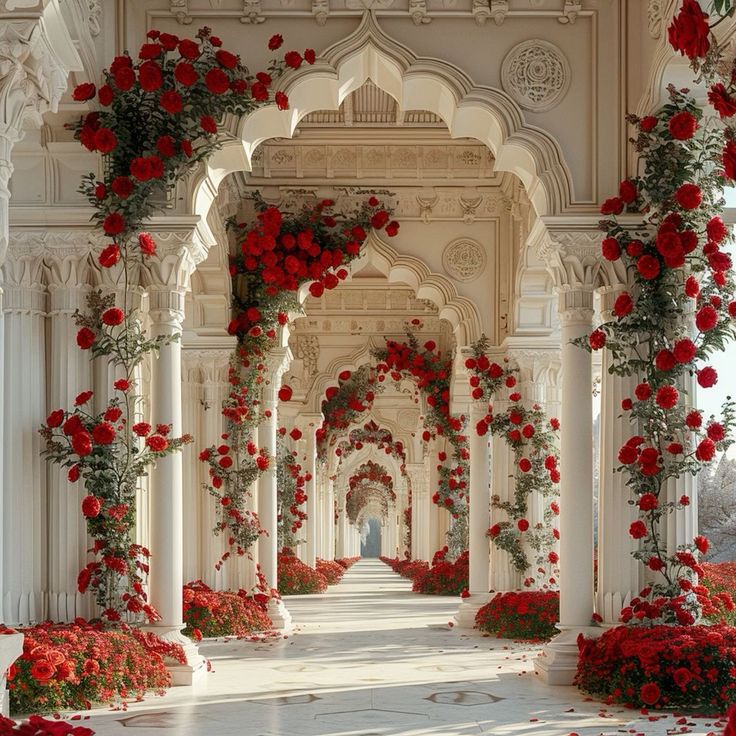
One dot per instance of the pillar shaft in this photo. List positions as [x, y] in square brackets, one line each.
[479, 516]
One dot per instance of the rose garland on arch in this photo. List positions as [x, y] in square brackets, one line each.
[157, 119]
[433, 373]
[277, 253]
[532, 439]
[370, 480]
[680, 270]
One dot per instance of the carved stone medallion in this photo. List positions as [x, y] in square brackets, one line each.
[536, 74]
[464, 259]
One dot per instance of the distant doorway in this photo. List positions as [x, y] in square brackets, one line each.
[370, 539]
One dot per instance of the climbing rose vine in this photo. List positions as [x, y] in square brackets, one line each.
[155, 119]
[370, 482]
[276, 254]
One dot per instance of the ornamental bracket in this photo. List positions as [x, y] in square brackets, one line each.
[570, 11]
[252, 12]
[499, 9]
[481, 11]
[418, 12]
[180, 10]
[320, 11]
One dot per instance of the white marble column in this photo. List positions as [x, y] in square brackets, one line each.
[420, 499]
[341, 531]
[69, 373]
[24, 510]
[558, 663]
[309, 425]
[329, 552]
[193, 520]
[478, 521]
[618, 571]
[277, 362]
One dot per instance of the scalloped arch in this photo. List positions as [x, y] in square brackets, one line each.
[371, 452]
[485, 114]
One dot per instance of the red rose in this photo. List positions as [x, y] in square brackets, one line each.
[623, 305]
[688, 33]
[627, 191]
[694, 419]
[525, 465]
[285, 393]
[150, 77]
[643, 391]
[186, 147]
[185, 74]
[226, 59]
[732, 309]
[113, 413]
[73, 474]
[648, 502]
[140, 168]
[157, 442]
[124, 78]
[729, 160]
[109, 256]
[55, 419]
[722, 102]
[665, 361]
[282, 101]
[648, 267]
[705, 451]
[316, 289]
[208, 124]
[141, 429]
[105, 95]
[83, 92]
[379, 219]
[82, 443]
[597, 339]
[648, 123]
[638, 530]
[628, 455]
[701, 544]
[706, 318]
[522, 524]
[675, 448]
[707, 377]
[293, 59]
[104, 433]
[684, 350]
[83, 398]
[692, 287]
[105, 140]
[113, 316]
[147, 244]
[667, 397]
[682, 126]
[716, 229]
[275, 42]
[91, 506]
[612, 206]
[217, 81]
[309, 56]
[259, 92]
[188, 49]
[122, 186]
[495, 530]
[689, 196]
[150, 51]
[650, 693]
[166, 146]
[171, 101]
[392, 229]
[611, 249]
[85, 338]
[113, 224]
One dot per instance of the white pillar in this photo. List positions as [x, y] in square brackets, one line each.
[193, 521]
[309, 425]
[329, 552]
[69, 373]
[341, 540]
[557, 664]
[618, 571]
[277, 361]
[478, 522]
[24, 510]
[418, 475]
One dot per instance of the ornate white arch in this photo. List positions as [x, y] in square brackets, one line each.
[485, 114]
[368, 452]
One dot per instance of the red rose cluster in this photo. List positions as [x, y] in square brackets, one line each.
[528, 615]
[296, 578]
[443, 577]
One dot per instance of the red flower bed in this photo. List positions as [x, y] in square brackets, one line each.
[529, 615]
[332, 570]
[661, 666]
[296, 578]
[406, 568]
[209, 612]
[347, 562]
[37, 726]
[71, 666]
[444, 577]
[719, 579]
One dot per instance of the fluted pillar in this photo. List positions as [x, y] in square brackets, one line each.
[24, 509]
[418, 474]
[277, 363]
[618, 571]
[69, 373]
[478, 521]
[329, 551]
[309, 425]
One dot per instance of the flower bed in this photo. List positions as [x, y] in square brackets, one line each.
[221, 613]
[37, 726]
[661, 666]
[720, 581]
[331, 569]
[296, 578]
[406, 568]
[529, 615]
[444, 577]
[347, 562]
[71, 666]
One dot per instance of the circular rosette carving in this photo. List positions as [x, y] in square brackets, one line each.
[464, 259]
[536, 74]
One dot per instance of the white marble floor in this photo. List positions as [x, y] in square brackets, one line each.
[370, 658]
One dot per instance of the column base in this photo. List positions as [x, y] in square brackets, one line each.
[194, 669]
[558, 662]
[11, 647]
[465, 616]
[279, 615]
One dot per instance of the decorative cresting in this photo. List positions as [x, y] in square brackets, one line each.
[536, 74]
[464, 259]
[488, 115]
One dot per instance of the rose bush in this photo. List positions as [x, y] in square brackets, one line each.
[73, 666]
[331, 570]
[296, 578]
[528, 615]
[443, 577]
[346, 562]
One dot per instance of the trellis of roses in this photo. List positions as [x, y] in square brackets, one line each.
[155, 119]
[276, 254]
[432, 372]
[532, 438]
[292, 496]
[371, 481]
[678, 312]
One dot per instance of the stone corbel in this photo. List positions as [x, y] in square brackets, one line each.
[320, 11]
[252, 12]
[499, 9]
[470, 206]
[481, 11]
[418, 12]
[570, 11]
[180, 10]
